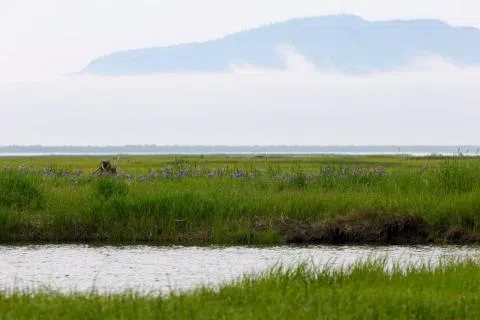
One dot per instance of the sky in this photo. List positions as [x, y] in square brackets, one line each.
[430, 102]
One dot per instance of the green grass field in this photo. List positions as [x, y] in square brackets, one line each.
[241, 200]
[364, 291]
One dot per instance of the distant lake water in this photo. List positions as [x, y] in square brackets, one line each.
[241, 150]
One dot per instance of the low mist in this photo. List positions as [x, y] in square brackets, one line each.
[429, 102]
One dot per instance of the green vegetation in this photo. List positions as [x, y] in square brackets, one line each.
[241, 200]
[365, 291]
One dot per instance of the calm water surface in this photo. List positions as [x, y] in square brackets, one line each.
[239, 150]
[145, 269]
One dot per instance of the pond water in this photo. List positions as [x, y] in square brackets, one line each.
[84, 268]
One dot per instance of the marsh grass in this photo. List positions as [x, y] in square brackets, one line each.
[243, 200]
[21, 190]
[364, 291]
[108, 187]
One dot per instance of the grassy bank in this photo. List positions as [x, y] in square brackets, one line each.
[241, 200]
[365, 291]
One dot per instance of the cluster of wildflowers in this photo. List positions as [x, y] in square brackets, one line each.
[181, 172]
[47, 172]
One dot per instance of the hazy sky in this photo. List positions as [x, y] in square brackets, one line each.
[431, 102]
[59, 36]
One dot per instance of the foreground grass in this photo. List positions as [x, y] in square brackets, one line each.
[195, 200]
[365, 291]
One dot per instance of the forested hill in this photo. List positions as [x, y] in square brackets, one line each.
[341, 43]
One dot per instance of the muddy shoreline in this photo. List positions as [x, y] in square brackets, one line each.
[358, 229]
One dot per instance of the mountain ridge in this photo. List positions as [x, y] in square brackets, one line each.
[348, 43]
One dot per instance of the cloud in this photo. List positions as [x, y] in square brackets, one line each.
[436, 104]
[295, 61]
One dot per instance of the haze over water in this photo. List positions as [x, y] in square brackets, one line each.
[241, 150]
